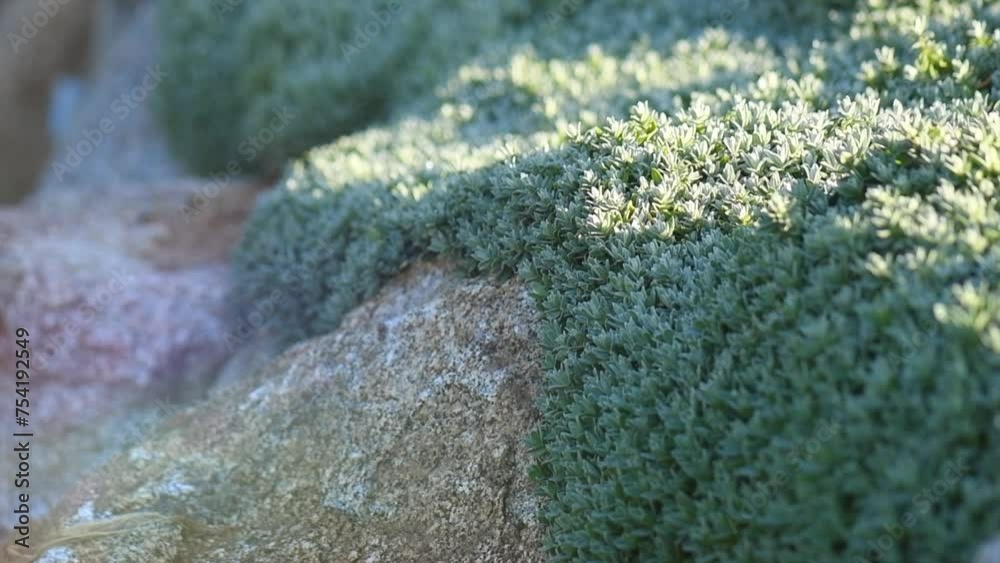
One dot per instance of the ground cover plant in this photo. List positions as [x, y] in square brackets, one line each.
[764, 251]
[343, 64]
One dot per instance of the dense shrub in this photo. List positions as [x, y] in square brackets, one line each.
[337, 64]
[199, 109]
[700, 333]
[342, 65]
[771, 314]
[484, 113]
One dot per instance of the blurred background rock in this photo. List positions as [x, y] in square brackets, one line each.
[66, 225]
[50, 61]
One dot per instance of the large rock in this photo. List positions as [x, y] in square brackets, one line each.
[123, 294]
[399, 437]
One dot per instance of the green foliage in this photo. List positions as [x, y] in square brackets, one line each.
[198, 107]
[338, 64]
[771, 306]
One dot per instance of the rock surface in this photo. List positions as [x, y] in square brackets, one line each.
[399, 437]
[123, 296]
[119, 294]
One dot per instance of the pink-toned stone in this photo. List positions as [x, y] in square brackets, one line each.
[123, 297]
